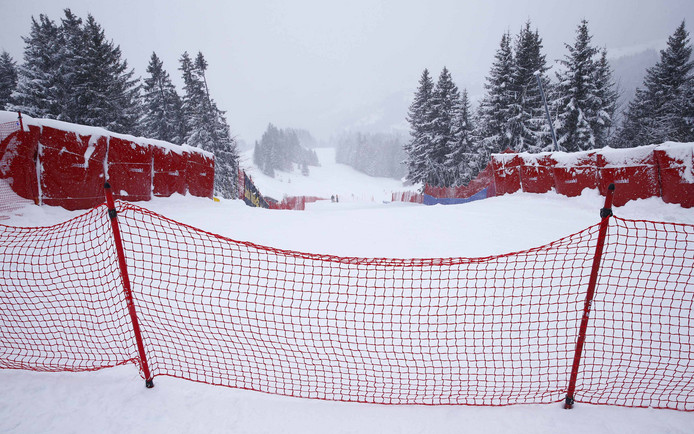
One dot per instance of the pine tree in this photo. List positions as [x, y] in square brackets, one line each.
[577, 94]
[585, 97]
[419, 118]
[441, 138]
[661, 110]
[208, 127]
[606, 102]
[112, 96]
[463, 160]
[8, 79]
[37, 81]
[71, 76]
[494, 110]
[529, 130]
[163, 118]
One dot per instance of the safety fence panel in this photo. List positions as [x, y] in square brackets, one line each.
[634, 171]
[129, 169]
[61, 301]
[507, 176]
[72, 169]
[496, 330]
[168, 172]
[199, 174]
[536, 173]
[486, 331]
[641, 338]
[676, 170]
[574, 172]
[18, 151]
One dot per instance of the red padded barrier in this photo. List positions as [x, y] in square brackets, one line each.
[676, 166]
[72, 173]
[129, 170]
[199, 174]
[574, 172]
[633, 171]
[169, 169]
[18, 154]
[506, 173]
[536, 173]
[407, 196]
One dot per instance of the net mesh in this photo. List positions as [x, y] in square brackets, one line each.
[478, 331]
[7, 128]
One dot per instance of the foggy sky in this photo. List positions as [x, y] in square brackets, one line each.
[318, 64]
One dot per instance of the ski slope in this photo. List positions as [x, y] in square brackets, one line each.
[115, 400]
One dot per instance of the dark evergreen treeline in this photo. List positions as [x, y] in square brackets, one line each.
[73, 73]
[379, 154]
[280, 149]
[449, 143]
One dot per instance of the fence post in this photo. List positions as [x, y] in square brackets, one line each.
[112, 213]
[605, 214]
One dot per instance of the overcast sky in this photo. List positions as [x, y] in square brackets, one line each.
[315, 63]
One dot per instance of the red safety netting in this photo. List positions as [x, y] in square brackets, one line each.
[7, 128]
[61, 300]
[478, 331]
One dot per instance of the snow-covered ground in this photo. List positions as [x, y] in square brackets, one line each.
[115, 400]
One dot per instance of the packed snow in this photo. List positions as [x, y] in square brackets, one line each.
[115, 400]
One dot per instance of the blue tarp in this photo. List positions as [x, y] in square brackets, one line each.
[431, 200]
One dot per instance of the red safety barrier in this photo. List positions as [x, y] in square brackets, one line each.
[18, 155]
[633, 171]
[574, 172]
[72, 174]
[676, 169]
[407, 196]
[71, 164]
[129, 169]
[497, 330]
[169, 172]
[536, 173]
[199, 174]
[506, 173]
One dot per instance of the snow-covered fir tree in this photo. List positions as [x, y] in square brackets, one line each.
[419, 118]
[494, 110]
[607, 95]
[443, 149]
[207, 125]
[662, 108]
[71, 77]
[584, 96]
[73, 73]
[37, 81]
[441, 137]
[529, 129]
[8, 78]
[464, 157]
[112, 96]
[163, 109]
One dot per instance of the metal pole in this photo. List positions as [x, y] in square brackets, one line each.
[549, 119]
[605, 214]
[112, 213]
